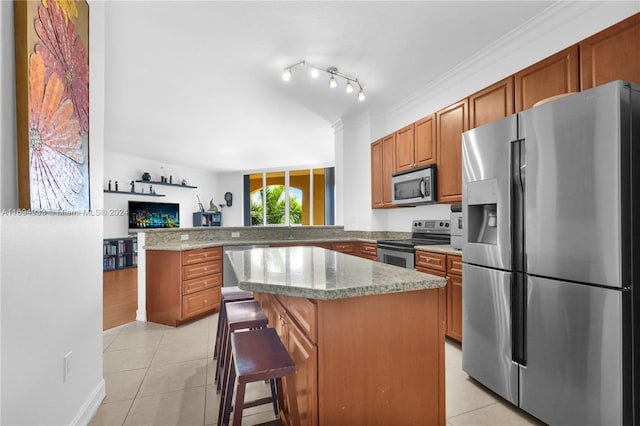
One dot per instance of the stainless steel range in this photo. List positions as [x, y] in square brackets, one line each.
[423, 233]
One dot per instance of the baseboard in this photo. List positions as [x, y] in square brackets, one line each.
[141, 315]
[90, 407]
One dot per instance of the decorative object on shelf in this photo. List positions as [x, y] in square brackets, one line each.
[109, 186]
[184, 182]
[333, 73]
[200, 206]
[212, 206]
[151, 189]
[228, 197]
[51, 46]
[116, 186]
[133, 186]
[171, 179]
[146, 177]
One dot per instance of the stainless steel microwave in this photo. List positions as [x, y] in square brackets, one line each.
[414, 187]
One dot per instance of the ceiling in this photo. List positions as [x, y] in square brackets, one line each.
[198, 84]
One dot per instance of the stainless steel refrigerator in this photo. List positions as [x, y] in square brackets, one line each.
[551, 257]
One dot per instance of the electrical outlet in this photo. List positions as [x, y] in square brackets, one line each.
[235, 235]
[184, 237]
[66, 367]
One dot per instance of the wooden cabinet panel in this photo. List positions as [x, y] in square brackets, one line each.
[449, 267]
[367, 250]
[182, 285]
[346, 247]
[305, 381]
[376, 175]
[425, 141]
[454, 307]
[200, 302]
[304, 313]
[612, 54]
[405, 149]
[190, 257]
[491, 104]
[431, 260]
[201, 269]
[388, 168]
[454, 265]
[451, 123]
[200, 283]
[555, 75]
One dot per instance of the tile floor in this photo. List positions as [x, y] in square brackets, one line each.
[159, 375]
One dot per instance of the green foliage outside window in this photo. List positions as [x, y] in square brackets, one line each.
[276, 207]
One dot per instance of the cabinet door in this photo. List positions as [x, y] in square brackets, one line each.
[302, 384]
[367, 250]
[492, 103]
[454, 307]
[376, 175]
[425, 141]
[405, 149]
[555, 75]
[611, 54]
[451, 123]
[388, 168]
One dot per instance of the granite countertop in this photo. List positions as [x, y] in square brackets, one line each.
[443, 249]
[316, 273]
[191, 245]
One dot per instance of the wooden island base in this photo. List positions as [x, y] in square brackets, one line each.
[369, 360]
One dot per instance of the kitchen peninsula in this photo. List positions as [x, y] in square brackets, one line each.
[367, 338]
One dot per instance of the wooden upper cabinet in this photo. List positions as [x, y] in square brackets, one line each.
[388, 167]
[451, 123]
[555, 75]
[405, 148]
[491, 104]
[611, 54]
[425, 141]
[376, 175]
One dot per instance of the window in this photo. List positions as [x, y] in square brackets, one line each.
[291, 197]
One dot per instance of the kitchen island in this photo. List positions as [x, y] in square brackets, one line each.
[367, 338]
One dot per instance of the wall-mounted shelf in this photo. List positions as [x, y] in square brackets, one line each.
[179, 185]
[134, 193]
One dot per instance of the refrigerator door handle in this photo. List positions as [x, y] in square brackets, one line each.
[518, 318]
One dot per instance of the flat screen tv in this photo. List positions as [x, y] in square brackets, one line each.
[149, 215]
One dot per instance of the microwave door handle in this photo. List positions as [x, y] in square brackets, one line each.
[422, 188]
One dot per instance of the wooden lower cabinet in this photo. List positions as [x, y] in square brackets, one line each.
[367, 250]
[119, 297]
[354, 365]
[449, 267]
[182, 285]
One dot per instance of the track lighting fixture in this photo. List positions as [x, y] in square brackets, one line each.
[333, 73]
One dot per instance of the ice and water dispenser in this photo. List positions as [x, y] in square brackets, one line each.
[482, 212]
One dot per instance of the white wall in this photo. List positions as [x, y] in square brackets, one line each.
[50, 274]
[125, 168]
[231, 182]
[562, 26]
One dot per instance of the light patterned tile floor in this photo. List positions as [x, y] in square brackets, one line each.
[159, 375]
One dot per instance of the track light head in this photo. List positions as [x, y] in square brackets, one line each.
[349, 87]
[286, 75]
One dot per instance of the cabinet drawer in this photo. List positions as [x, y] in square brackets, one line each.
[200, 283]
[190, 257]
[431, 260]
[454, 265]
[200, 302]
[431, 271]
[368, 250]
[344, 247]
[305, 313]
[200, 269]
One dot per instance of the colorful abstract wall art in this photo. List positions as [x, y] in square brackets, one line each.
[52, 104]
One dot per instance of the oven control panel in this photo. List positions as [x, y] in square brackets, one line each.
[442, 226]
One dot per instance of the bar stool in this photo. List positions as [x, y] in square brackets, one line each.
[256, 355]
[240, 315]
[228, 294]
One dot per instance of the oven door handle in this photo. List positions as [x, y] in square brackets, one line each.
[395, 248]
